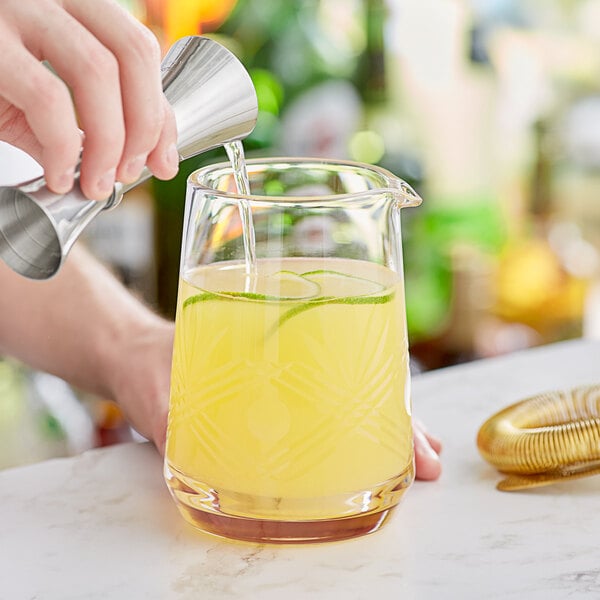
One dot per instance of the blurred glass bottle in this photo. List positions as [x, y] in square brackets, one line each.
[543, 275]
[40, 417]
[171, 20]
[386, 137]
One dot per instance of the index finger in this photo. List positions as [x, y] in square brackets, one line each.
[23, 81]
[138, 54]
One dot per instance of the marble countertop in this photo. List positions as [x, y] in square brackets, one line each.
[102, 525]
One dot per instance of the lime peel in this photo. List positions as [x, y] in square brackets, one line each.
[201, 298]
[236, 295]
[297, 287]
[325, 300]
[372, 292]
[262, 297]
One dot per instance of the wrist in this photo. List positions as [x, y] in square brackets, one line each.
[137, 367]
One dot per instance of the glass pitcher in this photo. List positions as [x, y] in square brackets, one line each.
[290, 414]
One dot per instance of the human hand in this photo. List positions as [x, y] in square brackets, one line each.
[109, 65]
[140, 379]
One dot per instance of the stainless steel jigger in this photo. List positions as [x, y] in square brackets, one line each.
[214, 102]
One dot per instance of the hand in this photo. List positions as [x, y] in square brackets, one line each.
[141, 379]
[107, 81]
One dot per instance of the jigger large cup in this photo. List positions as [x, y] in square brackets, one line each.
[214, 102]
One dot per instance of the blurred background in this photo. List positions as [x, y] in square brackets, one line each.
[489, 108]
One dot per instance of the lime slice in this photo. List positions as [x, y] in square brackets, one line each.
[275, 287]
[280, 286]
[201, 298]
[288, 285]
[339, 288]
[341, 285]
[325, 300]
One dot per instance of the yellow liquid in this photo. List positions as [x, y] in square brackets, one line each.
[290, 409]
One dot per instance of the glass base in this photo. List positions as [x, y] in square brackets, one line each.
[221, 514]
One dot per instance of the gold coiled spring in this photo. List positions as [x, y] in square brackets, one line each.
[545, 438]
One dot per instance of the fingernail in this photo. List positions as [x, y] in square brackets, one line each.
[134, 167]
[106, 183]
[172, 156]
[65, 182]
[423, 447]
[426, 450]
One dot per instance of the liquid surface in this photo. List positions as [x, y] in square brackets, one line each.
[296, 390]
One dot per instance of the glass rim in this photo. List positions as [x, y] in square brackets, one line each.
[394, 184]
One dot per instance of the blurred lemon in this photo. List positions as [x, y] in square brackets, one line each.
[534, 288]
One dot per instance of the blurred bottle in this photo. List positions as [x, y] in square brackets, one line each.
[312, 50]
[544, 274]
[386, 137]
[464, 335]
[40, 417]
[471, 300]
[171, 20]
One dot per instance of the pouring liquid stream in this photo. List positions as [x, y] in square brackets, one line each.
[235, 153]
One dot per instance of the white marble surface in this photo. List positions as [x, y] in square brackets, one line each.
[102, 525]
